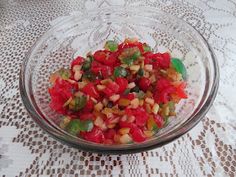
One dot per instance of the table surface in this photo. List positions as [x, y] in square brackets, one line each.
[209, 149]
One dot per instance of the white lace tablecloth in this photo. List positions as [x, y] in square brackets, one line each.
[209, 149]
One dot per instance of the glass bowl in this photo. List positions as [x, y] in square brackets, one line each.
[77, 34]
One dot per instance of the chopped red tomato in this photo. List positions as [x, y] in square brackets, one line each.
[96, 135]
[122, 82]
[78, 61]
[90, 90]
[144, 83]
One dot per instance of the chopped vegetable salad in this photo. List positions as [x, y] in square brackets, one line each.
[122, 94]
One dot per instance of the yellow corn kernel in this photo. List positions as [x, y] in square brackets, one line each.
[67, 102]
[142, 64]
[141, 102]
[111, 125]
[118, 111]
[131, 85]
[131, 40]
[65, 122]
[148, 68]
[114, 98]
[104, 101]
[98, 121]
[135, 103]
[152, 78]
[150, 101]
[148, 108]
[134, 67]
[98, 106]
[166, 110]
[124, 65]
[123, 131]
[155, 108]
[101, 87]
[124, 139]
[94, 100]
[106, 81]
[123, 102]
[149, 94]
[148, 133]
[151, 123]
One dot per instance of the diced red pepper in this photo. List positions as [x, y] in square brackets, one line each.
[140, 115]
[110, 133]
[90, 90]
[144, 83]
[123, 46]
[61, 91]
[96, 135]
[180, 90]
[78, 61]
[129, 96]
[163, 60]
[122, 82]
[105, 57]
[89, 106]
[113, 86]
[108, 92]
[137, 134]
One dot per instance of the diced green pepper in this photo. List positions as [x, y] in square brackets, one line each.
[89, 75]
[76, 125]
[64, 73]
[140, 72]
[86, 125]
[73, 127]
[127, 91]
[111, 45]
[146, 48]
[82, 102]
[120, 72]
[171, 105]
[86, 65]
[179, 67]
[140, 94]
[78, 103]
[135, 89]
[129, 60]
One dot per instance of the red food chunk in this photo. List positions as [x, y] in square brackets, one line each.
[180, 90]
[137, 134]
[90, 90]
[163, 91]
[113, 86]
[61, 91]
[78, 61]
[105, 57]
[144, 83]
[122, 82]
[140, 115]
[110, 133]
[96, 135]
[86, 116]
